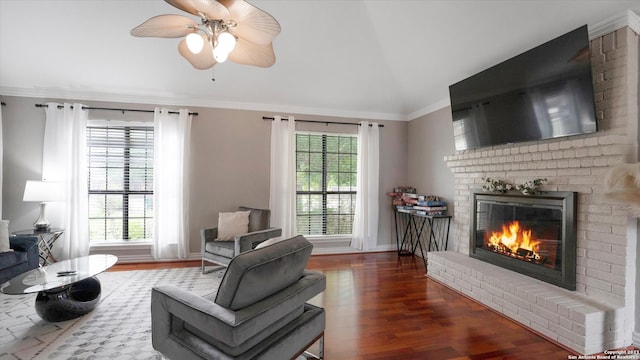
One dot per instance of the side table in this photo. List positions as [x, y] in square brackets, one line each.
[432, 229]
[46, 239]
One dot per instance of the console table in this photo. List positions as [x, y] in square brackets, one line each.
[412, 228]
[46, 239]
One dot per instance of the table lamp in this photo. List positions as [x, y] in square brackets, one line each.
[43, 192]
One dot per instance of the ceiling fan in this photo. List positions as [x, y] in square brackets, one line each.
[232, 29]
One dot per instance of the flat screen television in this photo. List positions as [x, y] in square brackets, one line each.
[546, 92]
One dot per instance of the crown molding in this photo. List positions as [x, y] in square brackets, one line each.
[429, 109]
[174, 100]
[293, 109]
[627, 18]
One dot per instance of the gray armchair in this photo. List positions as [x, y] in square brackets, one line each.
[221, 252]
[259, 310]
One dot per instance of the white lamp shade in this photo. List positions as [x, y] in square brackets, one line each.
[195, 43]
[226, 42]
[43, 191]
[220, 56]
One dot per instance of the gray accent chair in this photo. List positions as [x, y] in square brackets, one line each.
[259, 310]
[221, 252]
[24, 257]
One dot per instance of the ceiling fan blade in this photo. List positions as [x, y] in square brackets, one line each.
[253, 24]
[248, 53]
[201, 61]
[211, 8]
[165, 26]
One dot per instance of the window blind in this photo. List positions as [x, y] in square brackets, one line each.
[326, 175]
[120, 165]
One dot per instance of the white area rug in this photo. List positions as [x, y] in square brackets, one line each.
[118, 328]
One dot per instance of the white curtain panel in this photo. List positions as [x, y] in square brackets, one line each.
[64, 159]
[282, 192]
[172, 136]
[365, 224]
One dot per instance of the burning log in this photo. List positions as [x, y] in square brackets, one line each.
[520, 253]
[515, 242]
[525, 253]
[528, 255]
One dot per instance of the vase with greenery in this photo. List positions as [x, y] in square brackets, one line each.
[499, 186]
[531, 187]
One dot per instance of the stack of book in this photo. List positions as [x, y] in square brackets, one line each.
[398, 193]
[411, 202]
[431, 207]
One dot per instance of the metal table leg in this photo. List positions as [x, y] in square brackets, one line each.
[45, 245]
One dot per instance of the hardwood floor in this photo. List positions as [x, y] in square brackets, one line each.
[381, 306]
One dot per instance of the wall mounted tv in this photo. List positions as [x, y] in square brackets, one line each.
[543, 93]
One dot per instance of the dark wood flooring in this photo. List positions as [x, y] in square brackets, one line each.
[381, 306]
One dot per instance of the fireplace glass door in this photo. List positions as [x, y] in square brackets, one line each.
[527, 233]
[533, 235]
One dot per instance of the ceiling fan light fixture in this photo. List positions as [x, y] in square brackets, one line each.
[232, 29]
[195, 42]
[226, 42]
[220, 56]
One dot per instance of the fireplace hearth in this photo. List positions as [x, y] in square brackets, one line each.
[534, 235]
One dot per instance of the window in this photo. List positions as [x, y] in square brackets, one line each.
[326, 175]
[120, 165]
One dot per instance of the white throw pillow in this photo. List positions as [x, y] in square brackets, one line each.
[4, 236]
[268, 242]
[231, 224]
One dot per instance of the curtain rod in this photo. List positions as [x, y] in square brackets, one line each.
[114, 109]
[319, 121]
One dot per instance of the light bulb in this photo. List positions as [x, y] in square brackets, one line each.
[195, 42]
[220, 56]
[226, 42]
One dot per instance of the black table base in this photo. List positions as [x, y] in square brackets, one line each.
[68, 302]
[413, 229]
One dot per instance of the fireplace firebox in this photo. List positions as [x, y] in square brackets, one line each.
[531, 234]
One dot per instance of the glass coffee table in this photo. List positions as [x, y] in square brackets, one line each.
[66, 289]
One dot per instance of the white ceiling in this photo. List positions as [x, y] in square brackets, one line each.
[377, 59]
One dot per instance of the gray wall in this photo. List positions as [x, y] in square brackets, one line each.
[229, 162]
[430, 140]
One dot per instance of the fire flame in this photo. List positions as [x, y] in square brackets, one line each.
[515, 241]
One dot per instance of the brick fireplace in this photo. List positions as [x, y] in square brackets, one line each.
[599, 315]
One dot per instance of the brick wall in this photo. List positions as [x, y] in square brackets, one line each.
[606, 236]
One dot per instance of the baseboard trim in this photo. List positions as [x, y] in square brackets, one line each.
[129, 259]
[147, 258]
